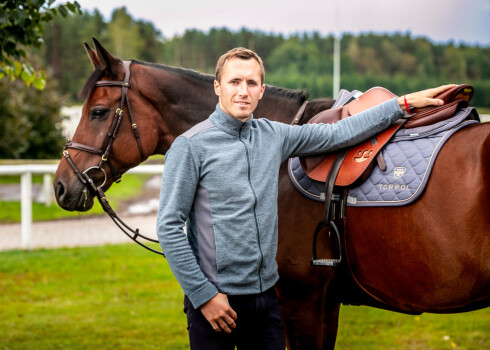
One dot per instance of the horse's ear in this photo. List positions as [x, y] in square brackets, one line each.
[92, 55]
[113, 65]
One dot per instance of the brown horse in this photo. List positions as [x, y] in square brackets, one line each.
[430, 256]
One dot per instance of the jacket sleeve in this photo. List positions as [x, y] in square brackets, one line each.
[312, 139]
[179, 182]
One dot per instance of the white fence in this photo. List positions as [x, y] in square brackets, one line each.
[26, 170]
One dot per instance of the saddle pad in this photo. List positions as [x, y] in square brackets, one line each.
[409, 158]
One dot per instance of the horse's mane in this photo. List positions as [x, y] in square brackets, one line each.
[98, 73]
[289, 94]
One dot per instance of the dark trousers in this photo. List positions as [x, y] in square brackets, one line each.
[258, 325]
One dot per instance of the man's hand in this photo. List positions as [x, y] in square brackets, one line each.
[219, 313]
[424, 98]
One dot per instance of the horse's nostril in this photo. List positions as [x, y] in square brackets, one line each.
[60, 190]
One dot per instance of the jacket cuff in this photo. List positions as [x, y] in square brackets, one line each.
[203, 295]
[396, 107]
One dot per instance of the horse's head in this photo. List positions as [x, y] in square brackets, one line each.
[135, 110]
[111, 136]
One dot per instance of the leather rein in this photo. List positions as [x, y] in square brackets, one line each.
[84, 177]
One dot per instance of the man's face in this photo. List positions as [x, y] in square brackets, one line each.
[240, 88]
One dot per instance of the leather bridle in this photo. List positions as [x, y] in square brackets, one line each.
[84, 177]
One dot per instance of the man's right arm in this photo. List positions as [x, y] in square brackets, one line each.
[179, 182]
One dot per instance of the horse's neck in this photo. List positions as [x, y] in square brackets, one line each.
[181, 99]
[277, 108]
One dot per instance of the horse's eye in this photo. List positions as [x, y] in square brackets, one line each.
[98, 113]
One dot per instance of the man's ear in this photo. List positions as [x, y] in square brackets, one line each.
[217, 88]
[262, 90]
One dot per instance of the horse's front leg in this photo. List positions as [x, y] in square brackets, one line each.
[310, 313]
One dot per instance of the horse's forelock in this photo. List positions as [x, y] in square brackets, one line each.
[96, 75]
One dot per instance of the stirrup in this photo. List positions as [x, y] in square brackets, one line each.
[335, 262]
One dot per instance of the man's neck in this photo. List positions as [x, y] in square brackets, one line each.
[241, 119]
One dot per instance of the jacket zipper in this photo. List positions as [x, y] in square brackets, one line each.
[255, 205]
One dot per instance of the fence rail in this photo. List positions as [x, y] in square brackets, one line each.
[26, 170]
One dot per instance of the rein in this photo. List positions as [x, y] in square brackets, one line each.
[88, 182]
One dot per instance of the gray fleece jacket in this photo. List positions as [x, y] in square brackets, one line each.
[221, 178]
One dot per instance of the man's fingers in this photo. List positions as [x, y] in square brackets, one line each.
[230, 321]
[232, 313]
[224, 326]
[216, 326]
[435, 102]
[440, 89]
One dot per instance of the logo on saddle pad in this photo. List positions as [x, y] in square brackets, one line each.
[399, 171]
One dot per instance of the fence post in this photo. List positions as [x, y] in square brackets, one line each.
[47, 189]
[26, 209]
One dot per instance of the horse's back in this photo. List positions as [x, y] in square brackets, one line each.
[432, 255]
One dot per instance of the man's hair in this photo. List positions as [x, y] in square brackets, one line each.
[242, 53]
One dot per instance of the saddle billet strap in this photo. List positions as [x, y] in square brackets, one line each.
[299, 114]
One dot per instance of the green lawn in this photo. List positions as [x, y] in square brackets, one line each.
[122, 297]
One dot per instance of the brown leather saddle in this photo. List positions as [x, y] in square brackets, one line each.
[360, 158]
[345, 167]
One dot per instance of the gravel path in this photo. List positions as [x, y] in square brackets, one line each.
[139, 213]
[76, 232]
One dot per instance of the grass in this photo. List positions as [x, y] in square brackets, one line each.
[130, 186]
[113, 297]
[369, 328]
[122, 297]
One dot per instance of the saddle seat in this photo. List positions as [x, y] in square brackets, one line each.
[360, 158]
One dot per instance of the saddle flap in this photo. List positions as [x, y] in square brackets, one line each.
[317, 167]
[360, 157]
[356, 162]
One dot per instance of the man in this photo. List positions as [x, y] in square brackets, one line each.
[221, 177]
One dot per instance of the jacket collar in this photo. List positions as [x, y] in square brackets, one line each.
[229, 124]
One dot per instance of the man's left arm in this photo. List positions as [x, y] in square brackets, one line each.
[321, 138]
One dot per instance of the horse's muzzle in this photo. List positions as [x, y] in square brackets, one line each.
[73, 197]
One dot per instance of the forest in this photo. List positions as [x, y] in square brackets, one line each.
[398, 61]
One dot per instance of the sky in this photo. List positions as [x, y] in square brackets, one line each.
[439, 20]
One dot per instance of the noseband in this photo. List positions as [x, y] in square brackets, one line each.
[84, 177]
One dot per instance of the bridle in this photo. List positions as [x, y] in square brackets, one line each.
[104, 158]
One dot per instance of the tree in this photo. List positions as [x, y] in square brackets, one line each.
[31, 121]
[123, 35]
[63, 51]
[21, 28]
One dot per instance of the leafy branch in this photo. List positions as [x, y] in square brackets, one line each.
[21, 27]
